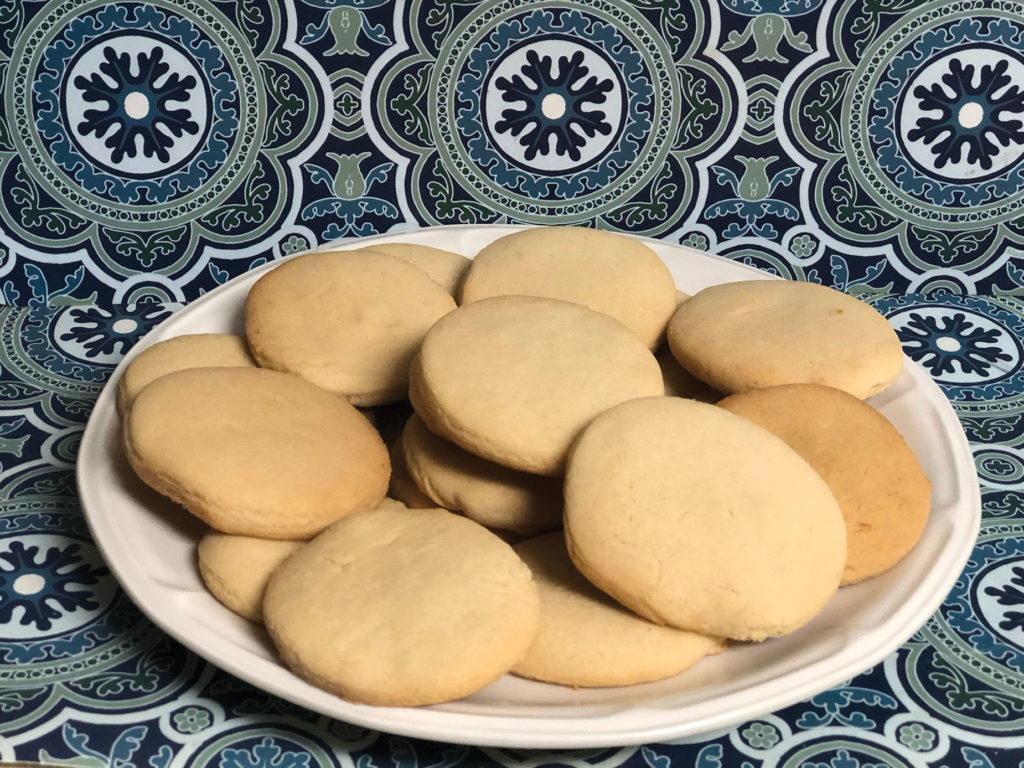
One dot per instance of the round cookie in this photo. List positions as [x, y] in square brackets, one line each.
[490, 494]
[607, 272]
[347, 321]
[586, 639]
[679, 382]
[402, 608]
[255, 452]
[697, 518]
[445, 268]
[514, 379]
[761, 333]
[882, 491]
[236, 569]
[402, 486]
[194, 350]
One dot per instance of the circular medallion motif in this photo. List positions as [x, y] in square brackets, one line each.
[935, 128]
[998, 600]
[563, 126]
[135, 114]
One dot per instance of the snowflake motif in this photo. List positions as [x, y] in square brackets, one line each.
[266, 754]
[191, 720]
[574, 126]
[42, 589]
[940, 344]
[1010, 595]
[947, 133]
[106, 333]
[916, 736]
[760, 735]
[153, 120]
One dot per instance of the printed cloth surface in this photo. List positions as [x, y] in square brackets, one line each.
[150, 151]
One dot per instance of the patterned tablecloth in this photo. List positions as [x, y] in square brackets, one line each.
[150, 151]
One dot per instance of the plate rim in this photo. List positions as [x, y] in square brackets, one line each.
[497, 730]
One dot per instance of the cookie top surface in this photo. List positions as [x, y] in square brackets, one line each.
[607, 272]
[490, 494]
[445, 268]
[761, 333]
[255, 452]
[514, 379]
[348, 321]
[236, 569]
[697, 518]
[586, 639]
[882, 491]
[402, 607]
[194, 350]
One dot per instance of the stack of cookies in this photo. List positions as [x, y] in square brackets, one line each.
[422, 472]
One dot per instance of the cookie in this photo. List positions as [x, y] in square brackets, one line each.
[762, 333]
[402, 486]
[255, 452]
[196, 350]
[679, 382]
[697, 518]
[586, 639]
[882, 491]
[490, 494]
[607, 272]
[514, 379]
[236, 569]
[347, 321]
[402, 607]
[445, 268]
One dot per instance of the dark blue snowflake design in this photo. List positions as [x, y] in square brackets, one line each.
[948, 136]
[920, 340]
[575, 126]
[96, 330]
[60, 569]
[1011, 595]
[159, 127]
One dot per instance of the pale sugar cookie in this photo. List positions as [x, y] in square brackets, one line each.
[236, 569]
[445, 268]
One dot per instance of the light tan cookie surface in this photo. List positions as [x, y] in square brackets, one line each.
[402, 607]
[402, 486]
[347, 321]
[236, 569]
[762, 333]
[514, 379]
[586, 639]
[195, 350]
[255, 452]
[490, 494]
[607, 272]
[679, 382]
[445, 268]
[882, 491]
[694, 517]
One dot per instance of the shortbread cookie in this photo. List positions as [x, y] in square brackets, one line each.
[761, 333]
[402, 486]
[679, 382]
[514, 379]
[610, 273]
[236, 569]
[882, 491]
[586, 639]
[488, 493]
[346, 321]
[194, 350]
[402, 608]
[445, 268]
[696, 518]
[255, 452]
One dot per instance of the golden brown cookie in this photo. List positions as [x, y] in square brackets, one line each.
[255, 452]
[761, 333]
[586, 639]
[402, 607]
[696, 518]
[882, 491]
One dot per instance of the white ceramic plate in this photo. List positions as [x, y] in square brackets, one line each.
[149, 545]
